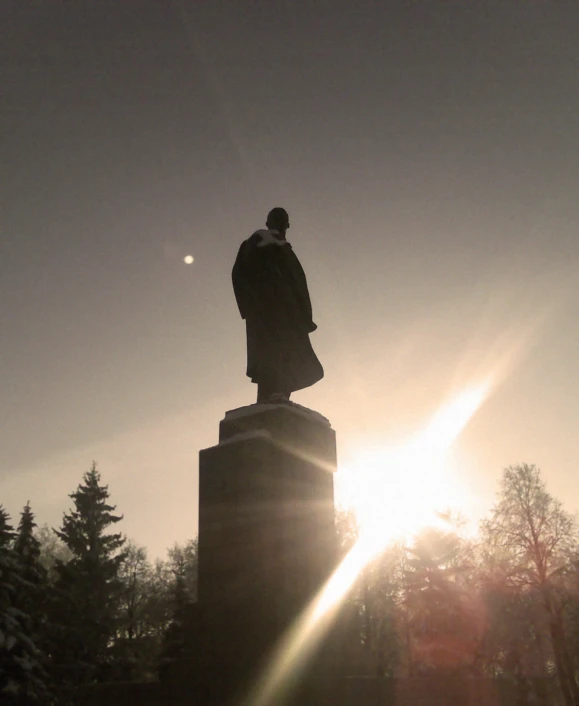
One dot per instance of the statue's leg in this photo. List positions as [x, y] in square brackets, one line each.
[263, 392]
[270, 392]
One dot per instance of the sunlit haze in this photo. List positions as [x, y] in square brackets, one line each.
[397, 490]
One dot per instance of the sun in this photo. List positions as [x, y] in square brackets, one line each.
[395, 491]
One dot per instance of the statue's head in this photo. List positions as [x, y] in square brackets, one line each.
[278, 219]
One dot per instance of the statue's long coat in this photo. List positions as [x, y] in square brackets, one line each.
[272, 295]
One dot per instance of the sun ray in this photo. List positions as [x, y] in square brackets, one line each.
[408, 511]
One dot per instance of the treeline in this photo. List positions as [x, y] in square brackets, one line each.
[83, 604]
[502, 604]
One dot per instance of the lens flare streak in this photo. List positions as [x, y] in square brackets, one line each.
[428, 447]
[297, 645]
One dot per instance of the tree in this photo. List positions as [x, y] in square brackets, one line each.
[515, 644]
[88, 586]
[22, 677]
[159, 605]
[52, 550]
[443, 613]
[378, 594]
[182, 564]
[6, 530]
[133, 574]
[138, 640]
[536, 537]
[369, 615]
[27, 548]
[571, 609]
[181, 592]
[347, 529]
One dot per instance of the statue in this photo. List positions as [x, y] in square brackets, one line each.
[272, 295]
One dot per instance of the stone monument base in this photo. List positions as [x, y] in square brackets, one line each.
[267, 544]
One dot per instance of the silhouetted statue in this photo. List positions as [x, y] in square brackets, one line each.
[272, 294]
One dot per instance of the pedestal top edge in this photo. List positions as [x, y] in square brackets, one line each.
[291, 407]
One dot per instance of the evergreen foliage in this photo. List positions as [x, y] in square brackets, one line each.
[22, 677]
[27, 548]
[87, 588]
[6, 530]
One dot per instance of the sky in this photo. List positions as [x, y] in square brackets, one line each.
[427, 154]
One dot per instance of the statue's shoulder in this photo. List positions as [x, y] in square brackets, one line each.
[262, 246]
[248, 246]
[255, 239]
[264, 238]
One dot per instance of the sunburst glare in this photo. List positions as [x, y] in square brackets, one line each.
[394, 493]
[396, 490]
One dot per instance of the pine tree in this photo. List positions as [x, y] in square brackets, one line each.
[27, 547]
[32, 596]
[88, 586]
[22, 678]
[6, 530]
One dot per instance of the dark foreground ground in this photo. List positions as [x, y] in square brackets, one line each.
[352, 691]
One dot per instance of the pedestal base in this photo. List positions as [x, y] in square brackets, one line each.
[267, 540]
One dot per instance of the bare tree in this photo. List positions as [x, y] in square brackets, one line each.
[536, 538]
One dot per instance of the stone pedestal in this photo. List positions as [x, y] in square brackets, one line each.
[266, 536]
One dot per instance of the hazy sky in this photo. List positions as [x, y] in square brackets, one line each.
[427, 153]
